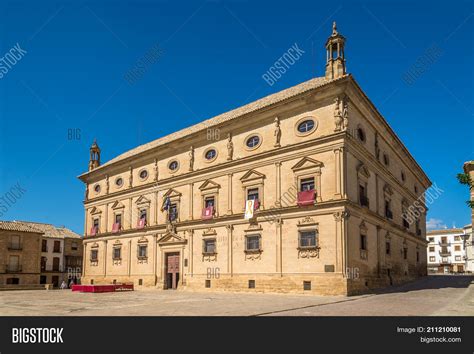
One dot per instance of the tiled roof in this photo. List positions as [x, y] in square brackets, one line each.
[445, 231]
[49, 230]
[17, 226]
[224, 117]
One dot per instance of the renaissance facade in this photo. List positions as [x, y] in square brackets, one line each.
[300, 191]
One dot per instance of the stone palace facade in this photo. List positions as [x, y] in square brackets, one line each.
[300, 191]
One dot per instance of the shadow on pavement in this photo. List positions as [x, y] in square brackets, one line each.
[430, 282]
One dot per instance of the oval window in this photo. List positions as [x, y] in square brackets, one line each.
[306, 126]
[253, 141]
[143, 174]
[119, 182]
[173, 165]
[97, 188]
[210, 154]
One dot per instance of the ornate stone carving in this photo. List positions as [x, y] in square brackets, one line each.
[209, 231]
[191, 158]
[230, 147]
[209, 257]
[277, 132]
[345, 113]
[107, 184]
[156, 170]
[340, 215]
[143, 260]
[308, 252]
[337, 115]
[307, 220]
[253, 255]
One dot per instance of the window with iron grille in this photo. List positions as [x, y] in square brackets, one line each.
[308, 239]
[307, 184]
[142, 251]
[252, 243]
[209, 246]
[306, 285]
[117, 253]
[251, 284]
[94, 255]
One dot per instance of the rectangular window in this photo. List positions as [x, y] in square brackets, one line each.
[307, 184]
[363, 242]
[431, 239]
[117, 253]
[57, 247]
[457, 238]
[208, 202]
[432, 249]
[364, 201]
[252, 194]
[308, 239]
[207, 283]
[74, 246]
[44, 246]
[14, 264]
[143, 214]
[306, 285]
[458, 258]
[457, 248]
[15, 242]
[173, 212]
[405, 253]
[209, 246]
[142, 251]
[56, 264]
[387, 248]
[118, 219]
[251, 284]
[94, 255]
[96, 223]
[252, 243]
[432, 259]
[417, 256]
[388, 210]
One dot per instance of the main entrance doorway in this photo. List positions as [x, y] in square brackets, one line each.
[172, 270]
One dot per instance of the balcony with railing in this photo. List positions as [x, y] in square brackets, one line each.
[445, 253]
[15, 246]
[444, 243]
[13, 268]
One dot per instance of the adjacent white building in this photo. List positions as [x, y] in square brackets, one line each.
[469, 246]
[447, 251]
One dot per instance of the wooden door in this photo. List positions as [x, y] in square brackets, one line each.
[172, 269]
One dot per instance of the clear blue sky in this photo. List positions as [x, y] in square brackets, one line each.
[215, 53]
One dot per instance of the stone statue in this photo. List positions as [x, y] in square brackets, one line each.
[106, 184]
[191, 158]
[230, 147]
[156, 170]
[345, 114]
[130, 179]
[334, 29]
[337, 115]
[277, 132]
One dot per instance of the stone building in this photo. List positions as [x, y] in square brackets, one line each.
[469, 239]
[61, 254]
[446, 251]
[300, 191]
[19, 254]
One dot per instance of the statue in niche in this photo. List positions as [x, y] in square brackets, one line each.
[345, 114]
[230, 147]
[277, 132]
[191, 158]
[337, 115]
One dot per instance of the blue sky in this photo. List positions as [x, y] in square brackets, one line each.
[214, 56]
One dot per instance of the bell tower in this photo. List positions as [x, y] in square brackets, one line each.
[94, 160]
[335, 60]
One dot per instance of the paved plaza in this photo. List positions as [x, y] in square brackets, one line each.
[431, 296]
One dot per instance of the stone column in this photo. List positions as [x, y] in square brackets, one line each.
[85, 222]
[229, 194]
[129, 258]
[230, 256]
[278, 184]
[337, 174]
[105, 258]
[191, 251]
[341, 240]
[191, 197]
[155, 214]
[84, 257]
[318, 186]
[154, 257]
[106, 217]
[130, 213]
[279, 246]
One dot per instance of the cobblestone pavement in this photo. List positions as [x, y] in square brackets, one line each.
[432, 296]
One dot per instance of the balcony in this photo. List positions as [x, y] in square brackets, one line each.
[444, 243]
[306, 198]
[207, 213]
[445, 253]
[13, 268]
[364, 201]
[57, 250]
[15, 246]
